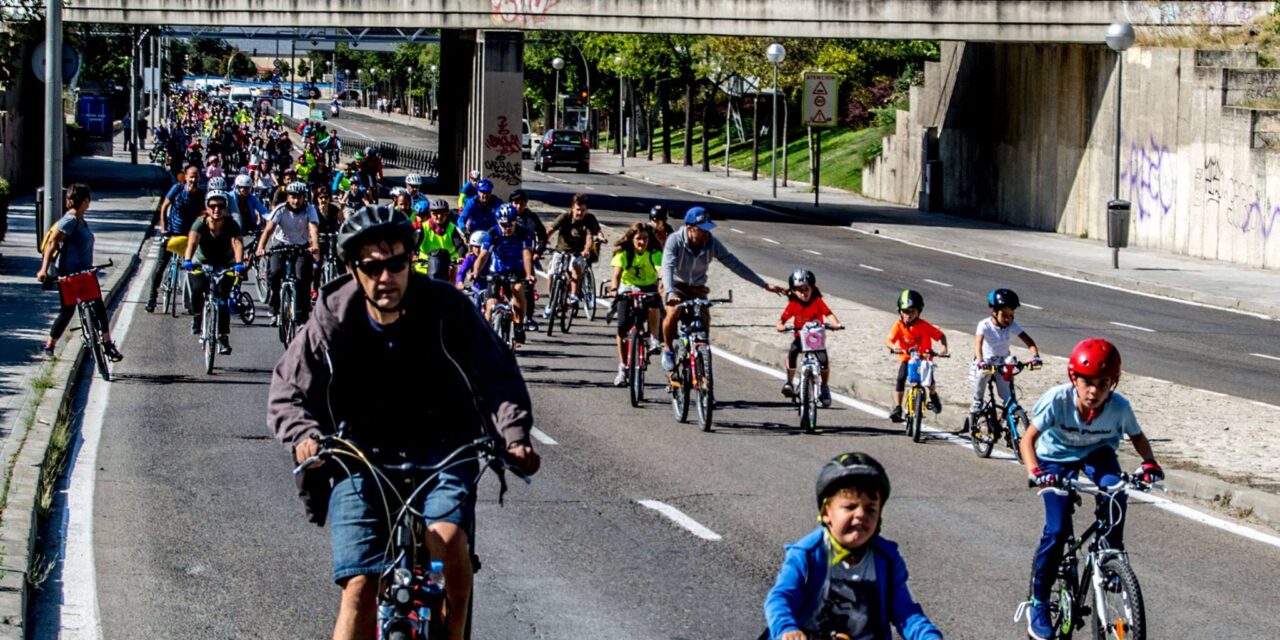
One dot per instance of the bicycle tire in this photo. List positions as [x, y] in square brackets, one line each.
[680, 393]
[171, 288]
[210, 331]
[89, 331]
[261, 283]
[567, 311]
[917, 416]
[283, 320]
[589, 292]
[706, 388]
[244, 307]
[186, 295]
[809, 403]
[1020, 422]
[1129, 620]
[554, 303]
[983, 434]
[635, 366]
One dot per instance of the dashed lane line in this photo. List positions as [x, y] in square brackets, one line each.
[1133, 326]
[1032, 306]
[541, 436]
[812, 251]
[736, 230]
[870, 268]
[677, 516]
[770, 240]
[1263, 355]
[940, 284]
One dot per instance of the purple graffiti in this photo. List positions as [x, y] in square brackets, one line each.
[1151, 172]
[1263, 225]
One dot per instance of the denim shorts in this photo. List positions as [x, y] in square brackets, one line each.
[358, 522]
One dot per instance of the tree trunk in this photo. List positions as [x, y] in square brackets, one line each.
[635, 120]
[755, 137]
[664, 103]
[786, 115]
[688, 124]
[648, 123]
[706, 128]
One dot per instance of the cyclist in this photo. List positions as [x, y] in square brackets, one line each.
[468, 189]
[179, 210]
[441, 245]
[635, 263]
[294, 223]
[385, 319]
[343, 180]
[413, 186]
[478, 213]
[401, 201]
[843, 579]
[371, 169]
[474, 244]
[577, 231]
[658, 222]
[287, 177]
[507, 250]
[805, 305]
[685, 260]
[529, 220]
[912, 332]
[247, 210]
[355, 198]
[214, 242]
[1077, 426]
[991, 346]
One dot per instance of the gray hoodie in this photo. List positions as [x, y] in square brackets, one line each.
[682, 264]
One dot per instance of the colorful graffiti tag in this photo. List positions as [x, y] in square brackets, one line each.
[1189, 12]
[524, 12]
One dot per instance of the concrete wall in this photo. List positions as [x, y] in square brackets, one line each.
[1027, 138]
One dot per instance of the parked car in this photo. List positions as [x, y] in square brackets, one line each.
[563, 147]
[526, 141]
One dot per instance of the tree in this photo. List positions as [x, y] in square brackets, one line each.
[241, 66]
[304, 69]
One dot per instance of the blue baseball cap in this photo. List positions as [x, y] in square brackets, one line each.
[698, 217]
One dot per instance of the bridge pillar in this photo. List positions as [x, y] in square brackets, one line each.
[457, 57]
[481, 113]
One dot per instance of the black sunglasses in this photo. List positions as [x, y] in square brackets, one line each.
[374, 268]
[217, 207]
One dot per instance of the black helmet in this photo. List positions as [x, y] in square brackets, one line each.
[854, 469]
[802, 276]
[658, 212]
[370, 224]
[518, 194]
[910, 299]
[1003, 298]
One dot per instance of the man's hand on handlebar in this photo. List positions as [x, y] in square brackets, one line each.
[307, 448]
[525, 459]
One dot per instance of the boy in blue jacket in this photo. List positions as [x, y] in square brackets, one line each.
[843, 578]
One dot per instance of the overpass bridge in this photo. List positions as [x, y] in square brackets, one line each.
[1047, 21]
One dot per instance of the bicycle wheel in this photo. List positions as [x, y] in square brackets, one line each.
[567, 311]
[209, 334]
[1020, 424]
[706, 388]
[555, 302]
[92, 339]
[809, 402]
[1123, 616]
[917, 416]
[171, 288]
[635, 366]
[286, 306]
[589, 292]
[245, 308]
[984, 434]
[1062, 605]
[260, 282]
[680, 391]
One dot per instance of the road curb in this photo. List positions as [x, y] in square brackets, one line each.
[18, 524]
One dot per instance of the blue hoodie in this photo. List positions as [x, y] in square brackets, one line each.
[802, 585]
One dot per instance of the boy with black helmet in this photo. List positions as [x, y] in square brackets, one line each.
[843, 577]
[912, 332]
[991, 346]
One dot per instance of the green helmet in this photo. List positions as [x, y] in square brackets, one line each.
[910, 299]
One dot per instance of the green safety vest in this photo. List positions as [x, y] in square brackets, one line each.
[432, 241]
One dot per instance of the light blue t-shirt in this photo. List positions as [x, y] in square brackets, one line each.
[1064, 436]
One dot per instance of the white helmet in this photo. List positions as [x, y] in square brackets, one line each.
[244, 181]
[477, 239]
[475, 174]
[396, 191]
[217, 184]
[413, 180]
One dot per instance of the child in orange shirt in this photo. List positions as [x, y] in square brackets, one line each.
[912, 332]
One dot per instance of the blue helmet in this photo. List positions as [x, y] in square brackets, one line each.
[419, 207]
[506, 213]
[484, 186]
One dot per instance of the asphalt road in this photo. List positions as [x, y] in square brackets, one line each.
[197, 532]
[351, 122]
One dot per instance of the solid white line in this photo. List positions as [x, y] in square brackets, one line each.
[541, 436]
[940, 284]
[1263, 355]
[812, 251]
[612, 195]
[736, 230]
[1194, 515]
[1264, 404]
[1032, 306]
[867, 266]
[770, 240]
[1213, 393]
[681, 519]
[1060, 276]
[587, 186]
[704, 195]
[1133, 326]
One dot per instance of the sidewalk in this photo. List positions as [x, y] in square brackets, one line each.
[125, 197]
[1214, 283]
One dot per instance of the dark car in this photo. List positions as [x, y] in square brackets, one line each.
[563, 147]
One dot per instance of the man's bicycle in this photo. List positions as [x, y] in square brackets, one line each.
[558, 302]
[214, 306]
[288, 309]
[173, 284]
[996, 420]
[82, 289]
[693, 362]
[636, 343]
[330, 265]
[502, 316]
[1106, 585]
[813, 340]
[411, 589]
[919, 380]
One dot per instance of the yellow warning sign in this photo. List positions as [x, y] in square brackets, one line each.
[820, 99]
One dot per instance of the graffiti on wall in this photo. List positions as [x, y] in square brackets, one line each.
[504, 143]
[1189, 12]
[1150, 170]
[1244, 208]
[525, 12]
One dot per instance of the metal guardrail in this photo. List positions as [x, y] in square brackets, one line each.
[424, 161]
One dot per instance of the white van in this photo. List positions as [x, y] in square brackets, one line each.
[526, 140]
[241, 95]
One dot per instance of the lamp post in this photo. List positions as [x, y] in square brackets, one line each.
[434, 81]
[558, 64]
[1120, 37]
[622, 139]
[776, 53]
[408, 101]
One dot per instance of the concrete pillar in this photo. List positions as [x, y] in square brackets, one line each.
[457, 53]
[496, 147]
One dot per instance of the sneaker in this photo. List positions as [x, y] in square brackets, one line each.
[824, 397]
[573, 299]
[224, 346]
[195, 325]
[620, 380]
[113, 354]
[1038, 625]
[789, 390]
[531, 324]
[546, 313]
[48, 347]
[151, 306]
[895, 415]
[668, 360]
[518, 333]
[275, 320]
[935, 403]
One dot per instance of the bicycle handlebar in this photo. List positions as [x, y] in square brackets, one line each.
[826, 325]
[1070, 484]
[927, 353]
[485, 447]
[97, 267]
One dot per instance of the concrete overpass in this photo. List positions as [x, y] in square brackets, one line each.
[1050, 21]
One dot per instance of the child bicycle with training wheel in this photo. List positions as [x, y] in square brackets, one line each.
[806, 307]
[1077, 427]
[913, 333]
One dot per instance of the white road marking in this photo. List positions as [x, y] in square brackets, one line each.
[1264, 404]
[940, 284]
[677, 516]
[1060, 276]
[1032, 306]
[541, 436]
[736, 230]
[612, 195]
[812, 251]
[587, 186]
[869, 267]
[1263, 355]
[1133, 326]
[705, 195]
[770, 240]
[1213, 393]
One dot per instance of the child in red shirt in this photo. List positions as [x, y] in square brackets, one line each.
[912, 332]
[805, 305]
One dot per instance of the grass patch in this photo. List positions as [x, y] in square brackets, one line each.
[39, 385]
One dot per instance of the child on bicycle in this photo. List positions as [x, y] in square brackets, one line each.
[636, 259]
[805, 305]
[912, 332]
[1076, 427]
[843, 577]
[474, 244]
[991, 346]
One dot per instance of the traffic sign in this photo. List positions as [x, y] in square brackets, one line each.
[70, 62]
[820, 104]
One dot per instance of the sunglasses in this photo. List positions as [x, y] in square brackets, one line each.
[217, 207]
[374, 268]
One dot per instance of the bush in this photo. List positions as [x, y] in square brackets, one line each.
[4, 187]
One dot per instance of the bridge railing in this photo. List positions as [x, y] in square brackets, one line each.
[416, 159]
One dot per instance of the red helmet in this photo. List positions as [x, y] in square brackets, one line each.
[1094, 358]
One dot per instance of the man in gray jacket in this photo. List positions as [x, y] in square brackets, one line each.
[410, 368]
[685, 260]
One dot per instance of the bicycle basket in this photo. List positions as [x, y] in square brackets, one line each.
[813, 337]
[82, 287]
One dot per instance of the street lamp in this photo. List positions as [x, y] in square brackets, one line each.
[558, 64]
[1119, 37]
[434, 81]
[776, 53]
[408, 103]
[622, 149]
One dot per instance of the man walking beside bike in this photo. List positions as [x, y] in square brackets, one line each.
[1077, 427]
[292, 224]
[685, 260]
[374, 328]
